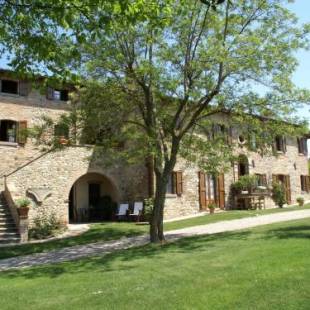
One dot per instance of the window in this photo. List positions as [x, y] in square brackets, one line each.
[261, 179]
[9, 87]
[280, 144]
[302, 146]
[175, 183]
[8, 131]
[243, 166]
[57, 94]
[61, 95]
[305, 183]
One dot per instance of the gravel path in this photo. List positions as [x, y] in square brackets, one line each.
[103, 248]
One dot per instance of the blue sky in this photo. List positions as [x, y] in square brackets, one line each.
[302, 76]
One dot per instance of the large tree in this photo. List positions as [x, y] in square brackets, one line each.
[173, 64]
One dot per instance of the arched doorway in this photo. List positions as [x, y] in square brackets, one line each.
[93, 197]
[243, 166]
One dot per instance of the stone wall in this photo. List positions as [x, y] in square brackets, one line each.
[30, 109]
[57, 171]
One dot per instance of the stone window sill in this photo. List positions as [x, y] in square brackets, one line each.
[9, 95]
[171, 195]
[9, 144]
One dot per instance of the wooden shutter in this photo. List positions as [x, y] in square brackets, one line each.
[300, 151]
[288, 189]
[221, 191]
[24, 88]
[178, 183]
[22, 132]
[284, 144]
[302, 182]
[50, 93]
[202, 190]
[307, 183]
[229, 135]
[274, 178]
[264, 179]
[305, 146]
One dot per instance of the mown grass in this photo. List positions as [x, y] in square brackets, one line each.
[112, 231]
[262, 268]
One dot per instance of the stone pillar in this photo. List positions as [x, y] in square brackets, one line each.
[23, 229]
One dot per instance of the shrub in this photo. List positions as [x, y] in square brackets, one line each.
[278, 194]
[245, 182]
[300, 201]
[212, 206]
[23, 202]
[45, 226]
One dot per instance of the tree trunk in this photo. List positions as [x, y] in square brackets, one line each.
[157, 227]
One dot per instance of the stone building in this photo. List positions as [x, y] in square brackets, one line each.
[69, 182]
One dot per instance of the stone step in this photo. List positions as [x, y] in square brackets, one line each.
[8, 228]
[9, 241]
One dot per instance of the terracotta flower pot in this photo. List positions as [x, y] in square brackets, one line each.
[63, 140]
[23, 212]
[211, 210]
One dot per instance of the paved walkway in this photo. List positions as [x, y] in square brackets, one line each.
[103, 248]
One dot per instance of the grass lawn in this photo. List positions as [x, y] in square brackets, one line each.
[263, 268]
[113, 231]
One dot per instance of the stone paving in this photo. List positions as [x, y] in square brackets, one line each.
[103, 248]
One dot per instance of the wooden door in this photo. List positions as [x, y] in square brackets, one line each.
[221, 191]
[202, 190]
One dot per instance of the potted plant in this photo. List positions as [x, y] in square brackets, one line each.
[245, 185]
[300, 201]
[211, 207]
[23, 207]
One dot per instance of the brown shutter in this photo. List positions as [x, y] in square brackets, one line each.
[284, 144]
[202, 190]
[274, 178]
[302, 183]
[22, 132]
[264, 178]
[50, 93]
[24, 88]
[229, 135]
[307, 181]
[179, 183]
[305, 146]
[288, 189]
[299, 146]
[221, 191]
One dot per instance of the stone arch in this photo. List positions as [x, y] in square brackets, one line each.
[93, 196]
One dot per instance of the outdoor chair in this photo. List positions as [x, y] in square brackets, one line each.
[122, 211]
[137, 211]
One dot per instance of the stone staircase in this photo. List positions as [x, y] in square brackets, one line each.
[8, 230]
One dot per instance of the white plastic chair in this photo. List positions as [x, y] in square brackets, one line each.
[137, 210]
[122, 210]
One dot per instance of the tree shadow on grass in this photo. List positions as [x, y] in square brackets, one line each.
[292, 232]
[95, 234]
[123, 260]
